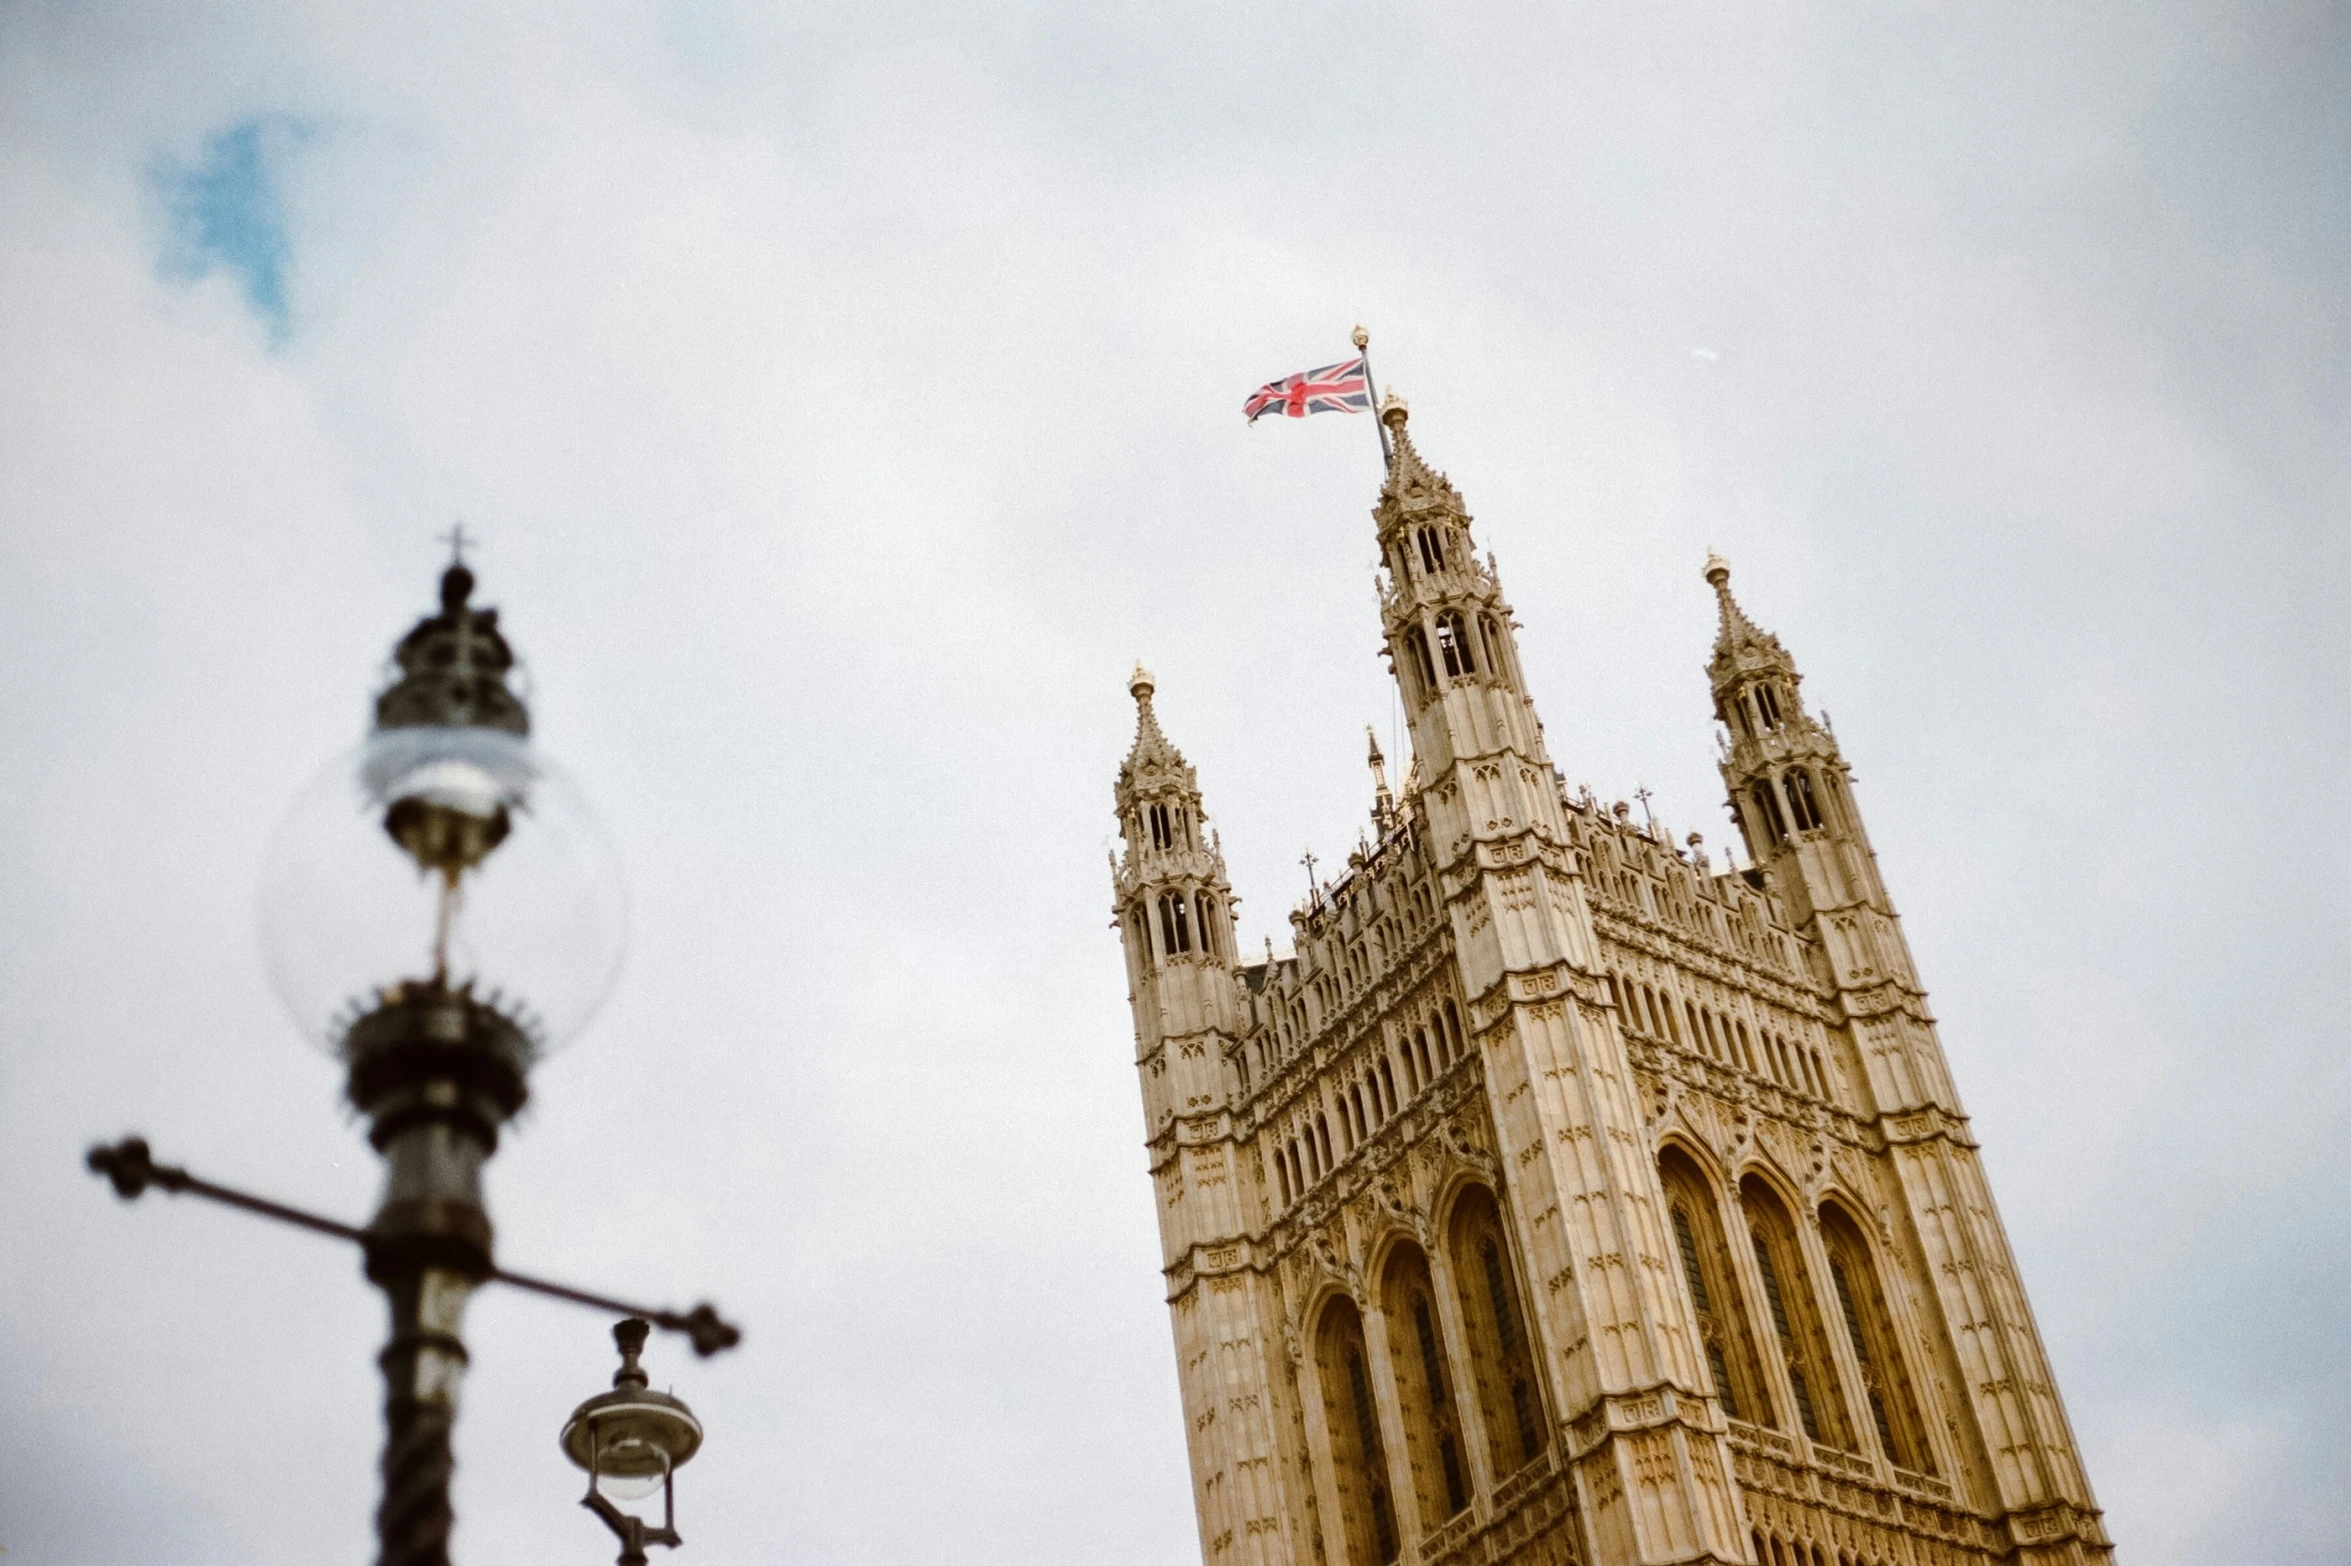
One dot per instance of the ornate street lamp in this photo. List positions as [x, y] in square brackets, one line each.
[440, 911]
[632, 1441]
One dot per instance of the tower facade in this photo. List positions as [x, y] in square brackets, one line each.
[1562, 1198]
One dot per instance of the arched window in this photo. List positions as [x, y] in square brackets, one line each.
[1453, 644]
[1175, 924]
[1416, 1352]
[1490, 637]
[1432, 550]
[1724, 1330]
[1500, 1354]
[1418, 646]
[1801, 805]
[1206, 906]
[1428, 1067]
[1746, 1051]
[1281, 1169]
[1769, 824]
[1791, 1303]
[1367, 1514]
[1322, 1133]
[1388, 1083]
[1767, 705]
[1885, 1377]
[1162, 827]
[1453, 1026]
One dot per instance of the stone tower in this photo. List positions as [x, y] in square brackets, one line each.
[1561, 1197]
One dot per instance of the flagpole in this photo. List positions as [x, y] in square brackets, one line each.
[1363, 347]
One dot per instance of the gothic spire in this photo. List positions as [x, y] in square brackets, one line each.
[1383, 803]
[1153, 758]
[1412, 487]
[1740, 647]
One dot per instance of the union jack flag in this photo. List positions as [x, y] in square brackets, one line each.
[1344, 387]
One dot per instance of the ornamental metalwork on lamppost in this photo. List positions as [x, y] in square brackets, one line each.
[440, 911]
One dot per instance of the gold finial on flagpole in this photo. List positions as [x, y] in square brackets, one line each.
[1362, 341]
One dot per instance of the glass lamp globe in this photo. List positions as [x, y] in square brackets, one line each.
[632, 1438]
[446, 850]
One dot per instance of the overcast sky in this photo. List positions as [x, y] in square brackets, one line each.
[845, 402]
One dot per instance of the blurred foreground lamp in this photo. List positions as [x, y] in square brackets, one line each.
[439, 911]
[632, 1440]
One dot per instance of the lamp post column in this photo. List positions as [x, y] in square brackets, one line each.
[437, 1074]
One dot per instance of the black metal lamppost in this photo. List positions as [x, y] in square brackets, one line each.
[445, 851]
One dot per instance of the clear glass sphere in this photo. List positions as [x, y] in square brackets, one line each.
[463, 854]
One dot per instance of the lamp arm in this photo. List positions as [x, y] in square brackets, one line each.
[131, 1167]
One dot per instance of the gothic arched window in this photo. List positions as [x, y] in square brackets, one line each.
[1432, 550]
[1801, 805]
[1490, 636]
[1367, 1513]
[1885, 1377]
[1772, 828]
[1453, 1026]
[1175, 923]
[1767, 705]
[1725, 1334]
[1793, 1307]
[1418, 645]
[1432, 1424]
[1162, 828]
[1453, 644]
[1500, 1354]
[1206, 907]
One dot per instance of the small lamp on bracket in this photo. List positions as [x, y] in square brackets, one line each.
[632, 1440]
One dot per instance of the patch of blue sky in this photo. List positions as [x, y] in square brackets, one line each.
[227, 213]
